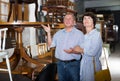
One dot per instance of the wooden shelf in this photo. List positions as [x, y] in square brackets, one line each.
[58, 7]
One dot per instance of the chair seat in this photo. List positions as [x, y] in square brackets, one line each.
[44, 60]
[2, 55]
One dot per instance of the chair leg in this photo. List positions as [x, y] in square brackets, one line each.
[8, 67]
[10, 12]
[23, 9]
[36, 10]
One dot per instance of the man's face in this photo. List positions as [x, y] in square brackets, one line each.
[69, 21]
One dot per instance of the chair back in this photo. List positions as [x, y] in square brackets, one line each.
[40, 49]
[43, 51]
[2, 38]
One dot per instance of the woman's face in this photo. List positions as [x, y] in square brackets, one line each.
[88, 21]
[69, 21]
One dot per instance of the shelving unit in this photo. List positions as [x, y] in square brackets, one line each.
[56, 9]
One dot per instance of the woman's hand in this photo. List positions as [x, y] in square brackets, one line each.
[78, 49]
[69, 51]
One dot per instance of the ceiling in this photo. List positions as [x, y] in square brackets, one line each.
[102, 4]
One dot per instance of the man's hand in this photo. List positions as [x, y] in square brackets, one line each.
[46, 28]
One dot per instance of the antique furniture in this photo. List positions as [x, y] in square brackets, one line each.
[43, 54]
[20, 50]
[18, 27]
[3, 53]
[14, 5]
[56, 9]
[56, 14]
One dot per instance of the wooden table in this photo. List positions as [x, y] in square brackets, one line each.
[21, 24]
[19, 27]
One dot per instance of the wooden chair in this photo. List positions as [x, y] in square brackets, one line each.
[44, 55]
[42, 49]
[16, 2]
[3, 53]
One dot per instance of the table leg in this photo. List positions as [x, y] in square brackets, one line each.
[23, 54]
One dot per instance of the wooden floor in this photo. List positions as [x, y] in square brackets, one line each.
[27, 70]
[31, 70]
[114, 63]
[16, 77]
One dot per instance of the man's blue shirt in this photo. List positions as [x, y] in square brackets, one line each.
[65, 40]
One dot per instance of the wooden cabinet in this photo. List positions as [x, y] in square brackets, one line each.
[56, 9]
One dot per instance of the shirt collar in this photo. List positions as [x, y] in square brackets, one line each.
[91, 32]
[73, 29]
